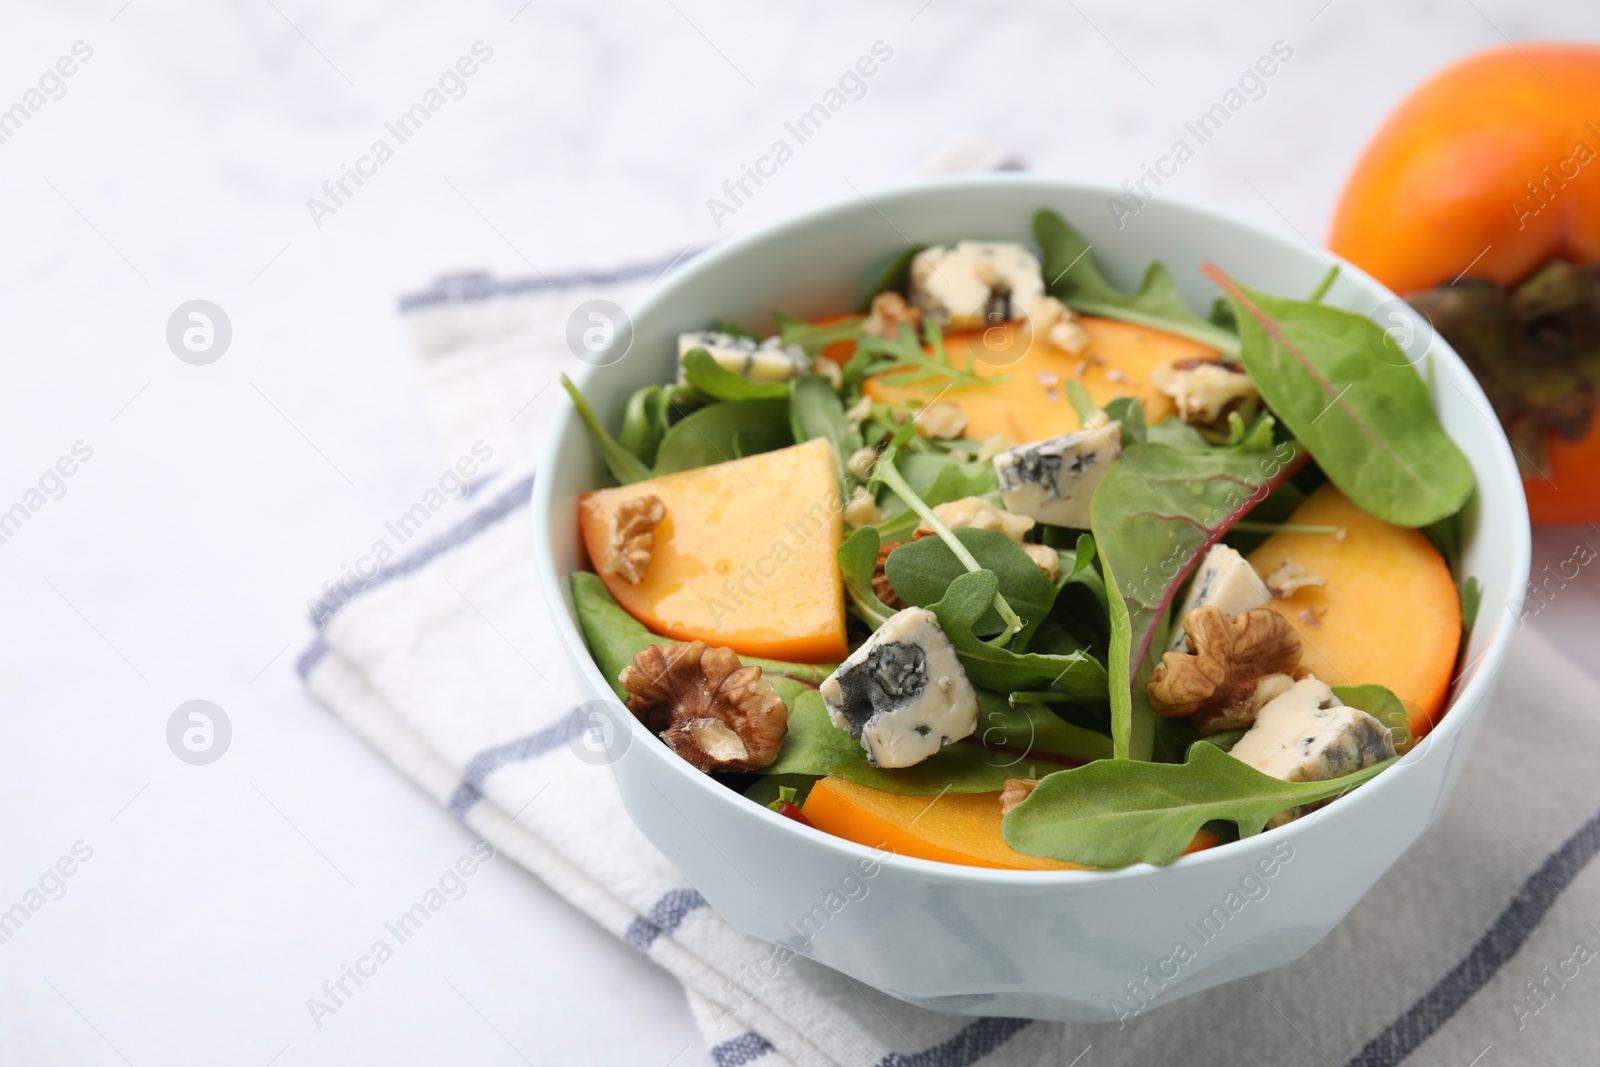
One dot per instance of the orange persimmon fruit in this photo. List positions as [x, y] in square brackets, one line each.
[1029, 405]
[954, 827]
[745, 557]
[1389, 614]
[1486, 175]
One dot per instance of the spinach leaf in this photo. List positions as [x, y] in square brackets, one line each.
[1155, 513]
[922, 570]
[1020, 742]
[1446, 535]
[858, 561]
[725, 431]
[1173, 738]
[1364, 415]
[703, 372]
[1471, 601]
[815, 410]
[1175, 433]
[1073, 278]
[1112, 814]
[614, 637]
[884, 472]
[1383, 705]
[966, 601]
[896, 276]
[1274, 511]
[624, 466]
[644, 422]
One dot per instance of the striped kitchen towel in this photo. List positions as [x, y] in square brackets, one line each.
[1478, 949]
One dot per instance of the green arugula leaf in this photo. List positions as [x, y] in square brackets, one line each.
[966, 601]
[624, 466]
[922, 570]
[1256, 436]
[1155, 513]
[1113, 814]
[812, 338]
[724, 431]
[1367, 420]
[937, 479]
[614, 637]
[703, 372]
[902, 361]
[1010, 742]
[1077, 568]
[1383, 705]
[1083, 404]
[1072, 277]
[1324, 285]
[815, 410]
[1128, 411]
[858, 561]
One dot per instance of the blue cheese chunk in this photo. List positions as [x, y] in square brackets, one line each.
[759, 361]
[1052, 481]
[903, 693]
[976, 283]
[1226, 581]
[1307, 735]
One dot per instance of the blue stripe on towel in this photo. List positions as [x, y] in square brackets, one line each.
[967, 1047]
[477, 287]
[745, 1048]
[485, 763]
[664, 916]
[1498, 944]
[506, 504]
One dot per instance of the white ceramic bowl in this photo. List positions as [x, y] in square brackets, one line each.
[1050, 945]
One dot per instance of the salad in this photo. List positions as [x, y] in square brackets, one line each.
[1013, 568]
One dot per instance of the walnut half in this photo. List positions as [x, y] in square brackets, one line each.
[709, 707]
[881, 586]
[633, 537]
[1207, 390]
[1016, 790]
[1217, 684]
[889, 310]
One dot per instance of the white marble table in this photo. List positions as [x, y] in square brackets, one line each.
[176, 162]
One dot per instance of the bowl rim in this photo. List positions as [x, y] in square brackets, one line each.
[1468, 703]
